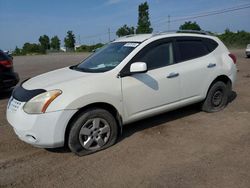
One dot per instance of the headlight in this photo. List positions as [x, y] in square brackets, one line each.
[40, 103]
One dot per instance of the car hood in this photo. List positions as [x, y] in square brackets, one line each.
[53, 78]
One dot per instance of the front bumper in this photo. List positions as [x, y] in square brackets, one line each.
[41, 130]
[247, 53]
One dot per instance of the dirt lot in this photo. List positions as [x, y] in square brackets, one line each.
[184, 148]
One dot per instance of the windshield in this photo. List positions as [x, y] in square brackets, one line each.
[107, 57]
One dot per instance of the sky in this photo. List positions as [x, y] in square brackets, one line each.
[25, 20]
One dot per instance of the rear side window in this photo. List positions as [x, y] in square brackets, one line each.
[211, 44]
[157, 56]
[191, 49]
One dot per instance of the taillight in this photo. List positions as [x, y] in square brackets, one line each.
[233, 57]
[6, 63]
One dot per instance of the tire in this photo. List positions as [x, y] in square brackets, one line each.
[217, 97]
[93, 130]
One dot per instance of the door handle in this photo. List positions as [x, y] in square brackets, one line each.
[173, 75]
[211, 65]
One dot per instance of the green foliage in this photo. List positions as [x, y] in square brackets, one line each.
[55, 43]
[44, 42]
[190, 26]
[237, 40]
[144, 25]
[69, 41]
[89, 48]
[125, 30]
[17, 51]
[29, 48]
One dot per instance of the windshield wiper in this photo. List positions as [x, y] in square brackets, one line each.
[100, 70]
[75, 67]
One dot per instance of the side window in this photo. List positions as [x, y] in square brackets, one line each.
[158, 56]
[190, 49]
[211, 44]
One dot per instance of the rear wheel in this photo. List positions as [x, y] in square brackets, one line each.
[217, 97]
[93, 130]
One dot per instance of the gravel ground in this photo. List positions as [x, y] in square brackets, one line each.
[183, 148]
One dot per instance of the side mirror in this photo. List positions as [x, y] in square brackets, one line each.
[138, 67]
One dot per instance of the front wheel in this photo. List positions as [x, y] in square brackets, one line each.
[93, 130]
[217, 97]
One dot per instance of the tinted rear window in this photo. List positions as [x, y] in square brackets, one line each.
[190, 49]
[3, 56]
[211, 44]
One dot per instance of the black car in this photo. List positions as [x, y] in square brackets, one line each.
[8, 78]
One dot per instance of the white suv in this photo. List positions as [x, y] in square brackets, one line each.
[84, 106]
[248, 51]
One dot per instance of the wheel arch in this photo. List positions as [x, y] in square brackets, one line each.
[106, 106]
[222, 78]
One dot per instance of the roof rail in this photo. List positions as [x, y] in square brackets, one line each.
[163, 32]
[193, 31]
[131, 35]
[182, 31]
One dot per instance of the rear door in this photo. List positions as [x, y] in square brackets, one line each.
[197, 65]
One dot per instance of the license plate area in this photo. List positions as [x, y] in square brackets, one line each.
[13, 104]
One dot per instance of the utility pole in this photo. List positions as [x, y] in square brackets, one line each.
[168, 22]
[109, 33]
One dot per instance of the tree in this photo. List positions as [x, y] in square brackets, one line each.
[237, 39]
[190, 26]
[55, 43]
[44, 42]
[29, 48]
[144, 25]
[125, 30]
[69, 40]
[17, 51]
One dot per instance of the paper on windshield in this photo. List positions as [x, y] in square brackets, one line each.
[131, 44]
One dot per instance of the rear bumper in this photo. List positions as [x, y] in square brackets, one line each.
[8, 80]
[233, 75]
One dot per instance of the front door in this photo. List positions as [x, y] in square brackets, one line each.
[152, 91]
